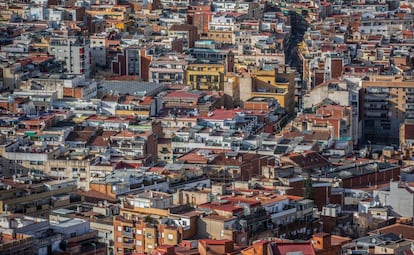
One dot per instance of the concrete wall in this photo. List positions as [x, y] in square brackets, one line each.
[401, 200]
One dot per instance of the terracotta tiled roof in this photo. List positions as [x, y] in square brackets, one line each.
[222, 114]
[227, 207]
[308, 159]
[182, 94]
[99, 141]
[285, 248]
[93, 195]
[406, 231]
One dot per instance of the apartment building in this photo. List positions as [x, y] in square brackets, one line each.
[227, 166]
[25, 155]
[207, 50]
[264, 247]
[132, 60]
[65, 86]
[115, 12]
[15, 244]
[221, 29]
[143, 229]
[274, 84]
[54, 234]
[331, 118]
[407, 137]
[188, 33]
[10, 75]
[75, 166]
[98, 49]
[128, 62]
[205, 76]
[387, 102]
[142, 107]
[74, 52]
[380, 243]
[34, 197]
[168, 69]
[200, 16]
[42, 100]
[118, 183]
[181, 100]
[399, 198]
[344, 93]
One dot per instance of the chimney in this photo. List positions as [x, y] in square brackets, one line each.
[260, 247]
[321, 241]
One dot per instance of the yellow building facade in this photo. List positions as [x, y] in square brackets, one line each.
[205, 76]
[118, 12]
[227, 37]
[280, 86]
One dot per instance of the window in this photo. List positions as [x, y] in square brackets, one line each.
[149, 246]
[149, 235]
[139, 232]
[119, 239]
[170, 237]
[119, 228]
[139, 242]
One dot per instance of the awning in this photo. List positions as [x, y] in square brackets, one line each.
[30, 133]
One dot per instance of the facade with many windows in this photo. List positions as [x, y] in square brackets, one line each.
[385, 105]
[206, 76]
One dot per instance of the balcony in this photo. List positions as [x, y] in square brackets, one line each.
[382, 109]
[127, 234]
[375, 115]
[376, 98]
[87, 236]
[178, 139]
[128, 245]
[378, 91]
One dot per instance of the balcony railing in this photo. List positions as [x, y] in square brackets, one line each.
[375, 98]
[375, 114]
[377, 108]
[128, 245]
[127, 234]
[283, 213]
